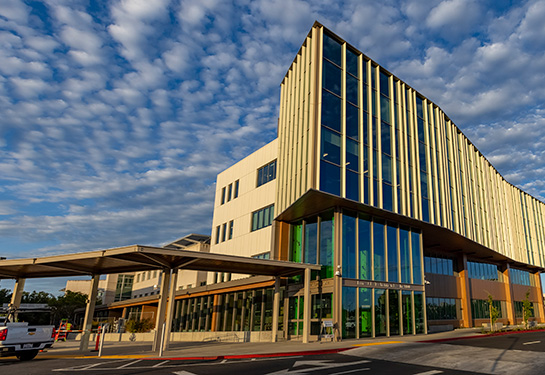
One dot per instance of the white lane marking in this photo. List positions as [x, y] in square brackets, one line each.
[160, 363]
[350, 371]
[431, 372]
[531, 342]
[128, 364]
[173, 364]
[78, 368]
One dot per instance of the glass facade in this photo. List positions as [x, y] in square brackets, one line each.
[372, 250]
[249, 310]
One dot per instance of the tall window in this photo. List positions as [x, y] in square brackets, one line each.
[223, 232]
[223, 195]
[386, 143]
[422, 154]
[235, 195]
[330, 165]
[231, 224]
[266, 173]
[218, 229]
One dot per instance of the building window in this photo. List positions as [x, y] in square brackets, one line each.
[266, 255]
[479, 308]
[223, 195]
[229, 192]
[223, 232]
[484, 271]
[231, 229]
[519, 309]
[521, 277]
[235, 195]
[262, 218]
[266, 173]
[442, 308]
[438, 264]
[218, 229]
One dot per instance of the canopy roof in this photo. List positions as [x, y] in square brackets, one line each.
[143, 258]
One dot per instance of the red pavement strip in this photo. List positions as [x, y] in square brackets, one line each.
[481, 336]
[243, 356]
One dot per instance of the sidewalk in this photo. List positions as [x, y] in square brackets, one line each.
[224, 350]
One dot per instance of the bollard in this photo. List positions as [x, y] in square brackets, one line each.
[103, 333]
[97, 342]
[161, 346]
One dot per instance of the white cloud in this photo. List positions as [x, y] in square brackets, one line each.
[14, 10]
[133, 26]
[454, 16]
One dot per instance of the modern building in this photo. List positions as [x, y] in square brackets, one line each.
[411, 224]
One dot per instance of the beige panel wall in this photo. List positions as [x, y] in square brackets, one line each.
[297, 125]
[251, 198]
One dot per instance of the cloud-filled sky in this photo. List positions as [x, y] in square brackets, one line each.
[116, 116]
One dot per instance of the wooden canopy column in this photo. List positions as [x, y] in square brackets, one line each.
[509, 295]
[467, 320]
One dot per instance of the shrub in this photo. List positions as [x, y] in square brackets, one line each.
[143, 325]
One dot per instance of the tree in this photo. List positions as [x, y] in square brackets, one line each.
[494, 313]
[65, 306]
[527, 309]
[36, 297]
[5, 296]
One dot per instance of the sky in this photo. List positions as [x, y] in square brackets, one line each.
[116, 116]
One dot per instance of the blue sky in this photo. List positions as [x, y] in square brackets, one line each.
[116, 116]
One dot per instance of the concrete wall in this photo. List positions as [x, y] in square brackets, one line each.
[264, 336]
[251, 198]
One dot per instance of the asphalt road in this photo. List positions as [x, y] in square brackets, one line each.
[528, 341]
[316, 364]
[519, 354]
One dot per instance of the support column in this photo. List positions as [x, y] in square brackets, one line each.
[215, 307]
[170, 309]
[509, 295]
[17, 295]
[161, 309]
[541, 308]
[306, 308]
[89, 312]
[243, 319]
[467, 320]
[207, 320]
[276, 309]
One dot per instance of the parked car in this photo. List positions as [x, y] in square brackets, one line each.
[23, 340]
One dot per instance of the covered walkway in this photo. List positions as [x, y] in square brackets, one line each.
[138, 258]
